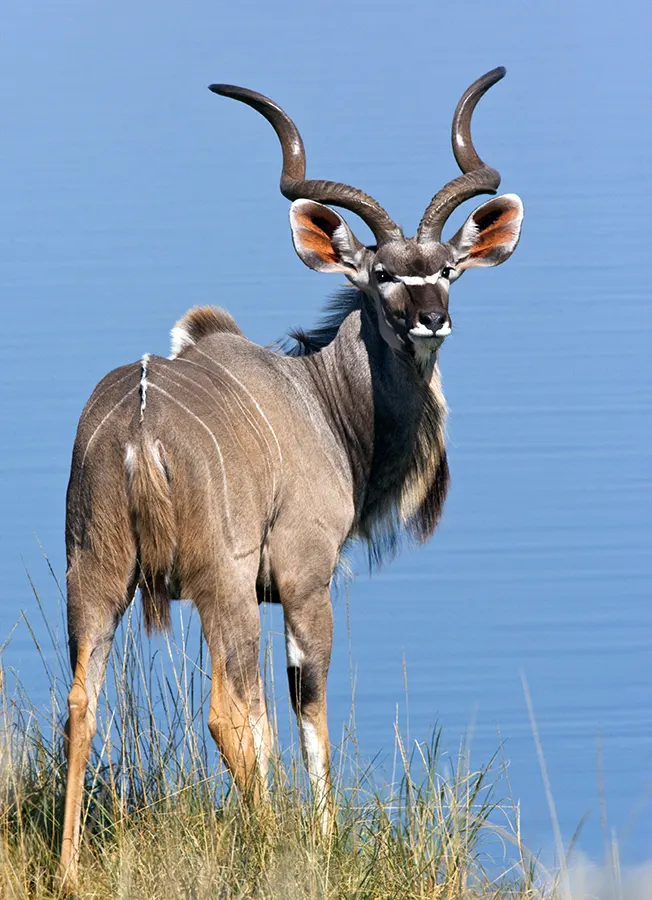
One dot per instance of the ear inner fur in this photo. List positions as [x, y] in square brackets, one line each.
[491, 240]
[314, 238]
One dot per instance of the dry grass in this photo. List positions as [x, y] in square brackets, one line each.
[160, 820]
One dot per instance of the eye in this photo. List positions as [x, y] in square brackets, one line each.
[446, 272]
[383, 276]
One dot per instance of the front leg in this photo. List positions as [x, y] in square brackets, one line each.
[308, 642]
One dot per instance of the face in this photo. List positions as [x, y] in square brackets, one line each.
[408, 280]
[409, 283]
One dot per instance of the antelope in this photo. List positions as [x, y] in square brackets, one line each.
[230, 473]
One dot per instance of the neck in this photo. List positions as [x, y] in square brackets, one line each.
[387, 412]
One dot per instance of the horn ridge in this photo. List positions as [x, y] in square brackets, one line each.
[293, 182]
[477, 177]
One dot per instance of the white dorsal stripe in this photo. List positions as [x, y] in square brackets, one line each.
[143, 384]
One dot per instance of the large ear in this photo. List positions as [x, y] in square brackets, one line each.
[322, 239]
[490, 234]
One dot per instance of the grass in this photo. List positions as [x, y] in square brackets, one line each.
[161, 821]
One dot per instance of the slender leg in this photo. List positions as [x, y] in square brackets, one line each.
[308, 641]
[237, 717]
[91, 631]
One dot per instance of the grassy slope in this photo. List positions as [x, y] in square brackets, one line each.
[160, 822]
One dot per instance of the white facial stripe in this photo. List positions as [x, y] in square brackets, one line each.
[416, 279]
[413, 279]
[444, 331]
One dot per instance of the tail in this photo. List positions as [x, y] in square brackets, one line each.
[154, 521]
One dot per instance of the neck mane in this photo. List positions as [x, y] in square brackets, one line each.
[389, 415]
[304, 343]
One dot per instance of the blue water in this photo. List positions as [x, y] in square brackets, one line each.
[130, 193]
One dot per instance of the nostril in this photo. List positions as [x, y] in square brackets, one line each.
[433, 320]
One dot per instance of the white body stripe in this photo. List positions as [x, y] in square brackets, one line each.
[106, 390]
[251, 397]
[110, 412]
[252, 422]
[227, 510]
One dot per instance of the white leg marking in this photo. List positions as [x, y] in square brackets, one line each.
[293, 651]
[315, 760]
[227, 510]
[110, 412]
[258, 726]
[143, 384]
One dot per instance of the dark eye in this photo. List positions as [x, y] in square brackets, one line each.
[382, 276]
[446, 271]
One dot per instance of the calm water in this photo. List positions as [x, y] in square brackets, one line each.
[131, 193]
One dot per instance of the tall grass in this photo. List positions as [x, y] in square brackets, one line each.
[160, 819]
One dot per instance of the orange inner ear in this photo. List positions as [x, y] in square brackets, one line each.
[315, 235]
[499, 231]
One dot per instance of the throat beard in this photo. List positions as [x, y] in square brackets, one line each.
[425, 356]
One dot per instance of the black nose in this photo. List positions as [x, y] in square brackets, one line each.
[433, 320]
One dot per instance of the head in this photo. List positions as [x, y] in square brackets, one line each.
[408, 279]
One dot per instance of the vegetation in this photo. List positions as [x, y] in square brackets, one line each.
[160, 820]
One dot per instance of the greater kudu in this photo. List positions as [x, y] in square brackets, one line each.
[230, 473]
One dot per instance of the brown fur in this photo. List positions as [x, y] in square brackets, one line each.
[230, 471]
[202, 321]
[154, 523]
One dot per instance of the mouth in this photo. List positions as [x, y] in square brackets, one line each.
[421, 334]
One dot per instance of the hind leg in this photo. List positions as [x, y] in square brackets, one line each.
[98, 595]
[237, 717]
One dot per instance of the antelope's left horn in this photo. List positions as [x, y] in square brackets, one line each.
[293, 183]
[478, 177]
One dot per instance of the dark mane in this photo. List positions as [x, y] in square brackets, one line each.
[406, 500]
[304, 343]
